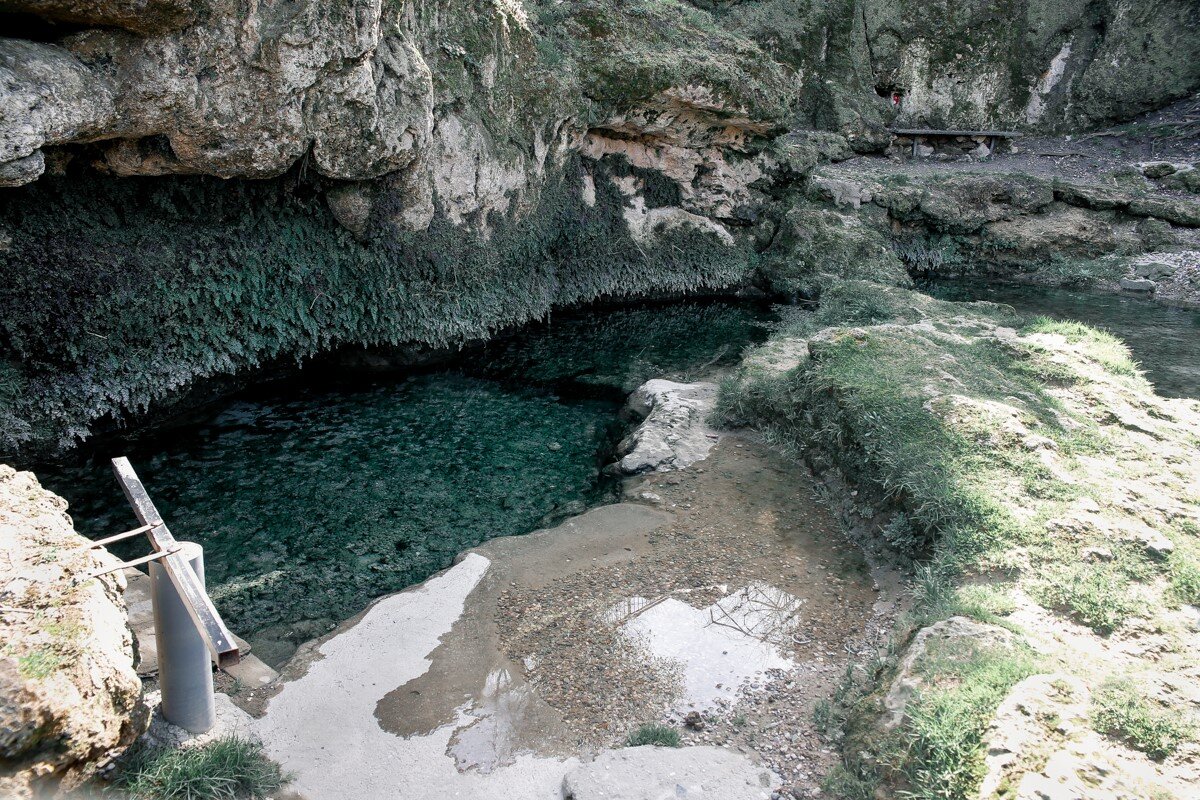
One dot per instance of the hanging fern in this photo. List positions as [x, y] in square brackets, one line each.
[119, 293]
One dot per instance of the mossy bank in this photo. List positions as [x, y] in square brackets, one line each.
[120, 293]
[1038, 486]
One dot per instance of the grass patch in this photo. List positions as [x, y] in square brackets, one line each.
[228, 768]
[1096, 595]
[984, 602]
[940, 751]
[659, 735]
[1104, 348]
[1121, 711]
[1184, 576]
[857, 781]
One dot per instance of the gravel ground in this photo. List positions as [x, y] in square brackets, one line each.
[1170, 134]
[745, 514]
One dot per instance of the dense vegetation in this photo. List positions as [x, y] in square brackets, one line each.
[120, 293]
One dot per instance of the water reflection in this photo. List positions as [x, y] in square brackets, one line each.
[1165, 341]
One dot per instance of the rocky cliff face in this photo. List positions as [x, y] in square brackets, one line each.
[425, 171]
[69, 696]
[364, 88]
[1030, 66]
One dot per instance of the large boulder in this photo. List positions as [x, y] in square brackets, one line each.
[70, 699]
[674, 433]
[955, 634]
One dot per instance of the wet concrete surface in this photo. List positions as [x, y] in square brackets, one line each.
[498, 676]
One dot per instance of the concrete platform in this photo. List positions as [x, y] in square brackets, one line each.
[654, 773]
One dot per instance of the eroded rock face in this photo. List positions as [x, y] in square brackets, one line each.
[362, 88]
[47, 95]
[69, 696]
[248, 93]
[966, 64]
[141, 16]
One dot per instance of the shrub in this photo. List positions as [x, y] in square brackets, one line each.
[854, 782]
[905, 538]
[660, 735]
[223, 769]
[1121, 711]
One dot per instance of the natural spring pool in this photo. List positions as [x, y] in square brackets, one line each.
[314, 494]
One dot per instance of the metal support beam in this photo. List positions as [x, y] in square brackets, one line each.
[137, 562]
[184, 669]
[105, 542]
[205, 619]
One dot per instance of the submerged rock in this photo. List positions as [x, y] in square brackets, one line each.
[69, 696]
[1137, 284]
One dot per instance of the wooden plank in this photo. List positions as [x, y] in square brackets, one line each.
[934, 132]
[208, 622]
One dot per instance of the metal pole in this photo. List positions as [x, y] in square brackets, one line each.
[184, 666]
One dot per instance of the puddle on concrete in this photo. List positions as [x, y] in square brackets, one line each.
[722, 647]
[751, 577]
[493, 737]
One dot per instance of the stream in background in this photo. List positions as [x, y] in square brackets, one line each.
[1165, 341]
[314, 494]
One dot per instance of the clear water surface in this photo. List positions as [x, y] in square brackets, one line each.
[316, 494]
[1165, 341]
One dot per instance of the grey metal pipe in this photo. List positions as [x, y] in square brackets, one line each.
[184, 666]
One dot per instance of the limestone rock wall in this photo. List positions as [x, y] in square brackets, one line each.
[361, 88]
[69, 696]
[1028, 65]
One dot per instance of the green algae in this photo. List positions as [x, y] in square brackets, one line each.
[148, 287]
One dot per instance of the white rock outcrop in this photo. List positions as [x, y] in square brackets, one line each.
[69, 696]
[675, 432]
